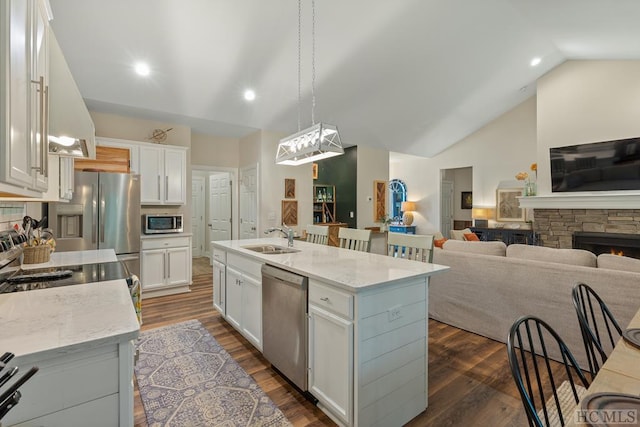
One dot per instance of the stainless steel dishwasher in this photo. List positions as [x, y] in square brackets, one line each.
[284, 323]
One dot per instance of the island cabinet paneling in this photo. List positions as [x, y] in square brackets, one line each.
[391, 344]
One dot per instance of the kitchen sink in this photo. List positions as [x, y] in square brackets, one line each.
[271, 249]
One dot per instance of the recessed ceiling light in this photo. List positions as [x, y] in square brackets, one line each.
[535, 61]
[142, 69]
[249, 95]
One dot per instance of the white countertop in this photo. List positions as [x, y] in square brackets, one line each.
[351, 270]
[164, 236]
[60, 259]
[65, 319]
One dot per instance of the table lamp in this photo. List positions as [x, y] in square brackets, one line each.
[482, 215]
[407, 208]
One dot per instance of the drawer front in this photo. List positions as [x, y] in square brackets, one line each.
[165, 242]
[331, 299]
[220, 255]
[245, 265]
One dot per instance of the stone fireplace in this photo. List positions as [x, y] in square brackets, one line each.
[556, 227]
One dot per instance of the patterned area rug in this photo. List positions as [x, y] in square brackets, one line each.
[186, 379]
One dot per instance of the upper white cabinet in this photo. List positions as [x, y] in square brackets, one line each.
[163, 174]
[24, 79]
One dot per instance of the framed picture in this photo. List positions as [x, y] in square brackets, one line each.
[379, 200]
[507, 205]
[289, 188]
[290, 212]
[314, 172]
[466, 201]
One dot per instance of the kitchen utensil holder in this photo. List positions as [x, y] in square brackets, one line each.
[36, 254]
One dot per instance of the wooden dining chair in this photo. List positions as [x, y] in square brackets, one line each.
[416, 247]
[318, 234]
[549, 392]
[600, 330]
[354, 239]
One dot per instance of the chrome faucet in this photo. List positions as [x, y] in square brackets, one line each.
[288, 233]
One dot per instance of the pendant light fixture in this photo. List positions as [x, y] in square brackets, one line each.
[321, 140]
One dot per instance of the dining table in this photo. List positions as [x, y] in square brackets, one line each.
[619, 374]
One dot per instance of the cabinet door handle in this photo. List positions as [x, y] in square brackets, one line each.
[41, 100]
[158, 187]
[325, 299]
[166, 187]
[45, 133]
[168, 264]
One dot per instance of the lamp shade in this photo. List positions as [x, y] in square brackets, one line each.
[483, 213]
[408, 206]
[320, 141]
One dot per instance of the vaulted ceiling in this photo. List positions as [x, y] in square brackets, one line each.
[412, 76]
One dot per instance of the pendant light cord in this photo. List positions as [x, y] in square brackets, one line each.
[313, 61]
[299, 66]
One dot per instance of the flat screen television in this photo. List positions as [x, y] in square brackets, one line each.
[598, 166]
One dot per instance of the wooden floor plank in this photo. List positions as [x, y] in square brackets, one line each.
[470, 382]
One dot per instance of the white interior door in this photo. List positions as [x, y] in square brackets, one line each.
[197, 215]
[220, 206]
[446, 207]
[249, 202]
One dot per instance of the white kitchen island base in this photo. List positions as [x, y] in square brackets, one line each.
[367, 324]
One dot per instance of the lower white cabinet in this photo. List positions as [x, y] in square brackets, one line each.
[165, 265]
[331, 350]
[73, 387]
[219, 286]
[243, 305]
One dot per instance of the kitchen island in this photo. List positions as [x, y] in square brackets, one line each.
[367, 323]
[80, 337]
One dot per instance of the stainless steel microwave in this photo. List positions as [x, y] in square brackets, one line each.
[162, 223]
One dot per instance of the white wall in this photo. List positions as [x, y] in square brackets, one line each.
[372, 165]
[272, 186]
[586, 101]
[496, 152]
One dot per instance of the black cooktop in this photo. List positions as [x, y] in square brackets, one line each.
[52, 277]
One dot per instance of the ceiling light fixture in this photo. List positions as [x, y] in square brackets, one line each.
[321, 140]
[249, 95]
[535, 61]
[142, 69]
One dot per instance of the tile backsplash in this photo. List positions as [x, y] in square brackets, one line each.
[11, 213]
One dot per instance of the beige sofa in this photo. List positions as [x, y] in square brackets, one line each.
[490, 285]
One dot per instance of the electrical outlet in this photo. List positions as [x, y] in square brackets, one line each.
[394, 313]
[350, 214]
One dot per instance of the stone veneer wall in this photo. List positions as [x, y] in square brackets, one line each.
[556, 226]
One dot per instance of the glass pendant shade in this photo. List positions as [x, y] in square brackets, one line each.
[320, 141]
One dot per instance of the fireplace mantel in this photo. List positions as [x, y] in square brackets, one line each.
[583, 201]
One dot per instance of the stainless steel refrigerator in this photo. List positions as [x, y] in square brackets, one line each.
[103, 214]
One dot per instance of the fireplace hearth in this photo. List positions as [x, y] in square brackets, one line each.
[608, 243]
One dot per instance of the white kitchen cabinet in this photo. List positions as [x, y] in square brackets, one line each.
[165, 265]
[163, 175]
[66, 178]
[24, 79]
[244, 297]
[234, 297]
[331, 351]
[219, 286]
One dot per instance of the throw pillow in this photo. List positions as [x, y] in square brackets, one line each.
[439, 242]
[471, 237]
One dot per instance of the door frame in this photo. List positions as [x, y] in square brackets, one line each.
[233, 173]
[200, 251]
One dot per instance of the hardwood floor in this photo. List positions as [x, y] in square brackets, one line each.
[470, 383]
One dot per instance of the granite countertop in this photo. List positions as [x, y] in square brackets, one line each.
[350, 270]
[56, 321]
[164, 236]
[60, 259]
[49, 322]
